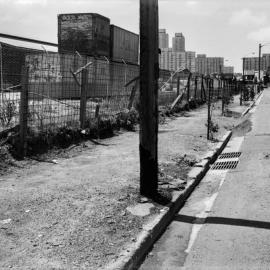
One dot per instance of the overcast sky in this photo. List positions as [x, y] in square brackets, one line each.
[228, 28]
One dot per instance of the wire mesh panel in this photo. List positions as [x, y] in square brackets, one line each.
[58, 95]
[107, 89]
[171, 84]
[54, 92]
[11, 61]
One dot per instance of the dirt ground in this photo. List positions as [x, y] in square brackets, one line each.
[70, 211]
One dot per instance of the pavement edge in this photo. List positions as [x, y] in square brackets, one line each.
[252, 104]
[132, 257]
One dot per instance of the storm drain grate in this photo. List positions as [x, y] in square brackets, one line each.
[230, 155]
[225, 165]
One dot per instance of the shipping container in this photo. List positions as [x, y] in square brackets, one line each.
[124, 45]
[86, 33]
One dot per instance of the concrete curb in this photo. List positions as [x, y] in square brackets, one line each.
[251, 105]
[131, 258]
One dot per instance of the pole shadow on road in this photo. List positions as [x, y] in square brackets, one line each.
[223, 221]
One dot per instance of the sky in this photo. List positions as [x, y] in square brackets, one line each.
[225, 28]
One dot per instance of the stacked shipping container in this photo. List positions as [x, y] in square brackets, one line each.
[91, 34]
[124, 45]
[86, 33]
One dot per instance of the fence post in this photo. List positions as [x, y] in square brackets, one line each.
[178, 85]
[219, 87]
[149, 73]
[208, 82]
[83, 98]
[23, 112]
[196, 86]
[188, 89]
[202, 88]
[112, 67]
[132, 95]
[241, 93]
[223, 97]
[203, 93]
[1, 68]
[95, 89]
[97, 117]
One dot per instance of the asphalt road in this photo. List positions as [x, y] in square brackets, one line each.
[225, 224]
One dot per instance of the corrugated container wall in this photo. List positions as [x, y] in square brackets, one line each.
[124, 45]
[87, 33]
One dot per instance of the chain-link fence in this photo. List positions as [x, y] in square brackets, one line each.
[57, 91]
[224, 100]
[75, 91]
[56, 84]
[183, 84]
[11, 61]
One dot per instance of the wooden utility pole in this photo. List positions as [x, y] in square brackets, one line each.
[223, 97]
[83, 99]
[203, 93]
[196, 87]
[178, 85]
[23, 112]
[208, 83]
[188, 89]
[260, 51]
[149, 73]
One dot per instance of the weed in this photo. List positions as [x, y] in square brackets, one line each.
[7, 113]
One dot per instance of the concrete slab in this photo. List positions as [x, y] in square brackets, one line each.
[141, 210]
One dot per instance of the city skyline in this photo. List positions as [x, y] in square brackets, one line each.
[177, 57]
[229, 28]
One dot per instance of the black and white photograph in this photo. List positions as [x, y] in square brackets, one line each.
[134, 134]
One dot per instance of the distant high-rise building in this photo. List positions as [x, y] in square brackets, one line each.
[178, 42]
[166, 59]
[201, 63]
[214, 65]
[171, 60]
[266, 62]
[175, 58]
[163, 39]
[180, 60]
[251, 64]
[209, 65]
[228, 70]
[190, 61]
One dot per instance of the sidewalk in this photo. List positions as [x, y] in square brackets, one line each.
[236, 234]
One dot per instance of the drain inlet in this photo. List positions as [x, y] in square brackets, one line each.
[225, 165]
